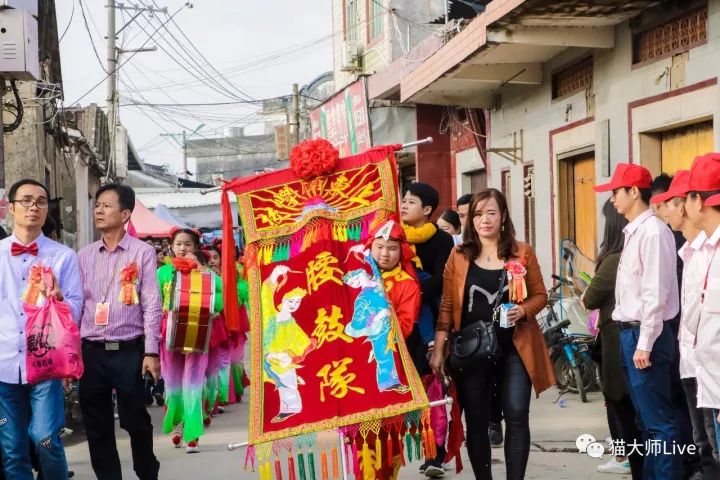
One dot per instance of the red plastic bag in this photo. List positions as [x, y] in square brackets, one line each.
[52, 342]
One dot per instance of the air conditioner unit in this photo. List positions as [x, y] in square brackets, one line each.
[18, 45]
[352, 57]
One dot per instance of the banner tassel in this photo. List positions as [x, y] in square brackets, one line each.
[408, 443]
[311, 464]
[402, 448]
[356, 458]
[291, 467]
[367, 464]
[418, 443]
[378, 452]
[335, 463]
[324, 464]
[431, 441]
[301, 465]
[389, 444]
[278, 470]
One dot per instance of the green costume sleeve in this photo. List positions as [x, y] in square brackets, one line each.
[165, 274]
[218, 293]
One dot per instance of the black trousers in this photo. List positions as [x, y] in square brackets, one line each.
[624, 410]
[475, 390]
[121, 370]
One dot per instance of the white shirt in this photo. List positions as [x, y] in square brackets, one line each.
[707, 344]
[646, 289]
[695, 261]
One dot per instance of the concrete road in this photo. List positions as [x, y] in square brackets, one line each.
[553, 455]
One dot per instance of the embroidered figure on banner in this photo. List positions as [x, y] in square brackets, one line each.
[372, 319]
[285, 344]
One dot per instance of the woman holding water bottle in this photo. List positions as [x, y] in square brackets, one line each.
[492, 290]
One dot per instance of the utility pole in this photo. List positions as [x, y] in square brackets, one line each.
[184, 147]
[113, 54]
[296, 113]
[111, 81]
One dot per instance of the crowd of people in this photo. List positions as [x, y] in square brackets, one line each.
[119, 292]
[466, 294]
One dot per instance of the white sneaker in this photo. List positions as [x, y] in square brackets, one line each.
[613, 466]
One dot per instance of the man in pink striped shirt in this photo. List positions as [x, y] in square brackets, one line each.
[120, 328]
[646, 297]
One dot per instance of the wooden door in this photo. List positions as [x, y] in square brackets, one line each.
[585, 211]
[577, 204]
[478, 181]
[681, 145]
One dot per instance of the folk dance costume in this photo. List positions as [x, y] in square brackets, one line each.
[236, 343]
[185, 371]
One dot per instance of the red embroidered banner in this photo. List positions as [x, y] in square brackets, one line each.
[326, 349]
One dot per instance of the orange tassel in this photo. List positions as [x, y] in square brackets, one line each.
[335, 463]
[431, 441]
[324, 464]
[389, 444]
[402, 448]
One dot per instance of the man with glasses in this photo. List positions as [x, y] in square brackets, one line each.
[31, 412]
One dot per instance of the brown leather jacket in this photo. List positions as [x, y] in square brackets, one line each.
[527, 338]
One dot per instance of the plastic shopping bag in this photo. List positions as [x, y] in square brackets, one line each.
[52, 342]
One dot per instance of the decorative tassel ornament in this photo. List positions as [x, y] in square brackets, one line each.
[389, 446]
[291, 467]
[378, 452]
[335, 463]
[402, 449]
[367, 464]
[324, 464]
[278, 470]
[311, 464]
[301, 465]
[408, 443]
[418, 443]
[356, 458]
[431, 441]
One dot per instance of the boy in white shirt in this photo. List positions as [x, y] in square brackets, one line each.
[703, 208]
[695, 261]
[646, 297]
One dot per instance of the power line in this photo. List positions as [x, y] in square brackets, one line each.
[72, 15]
[126, 61]
[87, 29]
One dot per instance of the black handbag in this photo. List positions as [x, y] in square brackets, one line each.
[478, 341]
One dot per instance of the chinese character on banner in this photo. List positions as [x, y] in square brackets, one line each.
[338, 379]
[329, 327]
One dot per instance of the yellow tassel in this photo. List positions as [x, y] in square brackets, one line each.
[367, 464]
[378, 452]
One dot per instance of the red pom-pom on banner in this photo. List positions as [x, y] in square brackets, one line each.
[313, 158]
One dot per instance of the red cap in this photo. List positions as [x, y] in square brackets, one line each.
[627, 175]
[705, 174]
[678, 188]
[713, 201]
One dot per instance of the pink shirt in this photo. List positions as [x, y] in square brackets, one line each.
[695, 260]
[646, 289]
[100, 271]
[707, 343]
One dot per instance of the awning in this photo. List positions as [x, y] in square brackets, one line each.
[147, 224]
[507, 45]
[162, 212]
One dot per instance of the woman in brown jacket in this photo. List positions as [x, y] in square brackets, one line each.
[471, 283]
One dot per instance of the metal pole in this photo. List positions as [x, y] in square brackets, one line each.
[296, 113]
[112, 75]
[184, 164]
[417, 142]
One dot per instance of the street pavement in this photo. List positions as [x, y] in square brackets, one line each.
[553, 453]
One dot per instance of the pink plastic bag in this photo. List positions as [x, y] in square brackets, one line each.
[593, 318]
[53, 342]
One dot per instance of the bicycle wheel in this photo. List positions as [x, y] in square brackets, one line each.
[580, 384]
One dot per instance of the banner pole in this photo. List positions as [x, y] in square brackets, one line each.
[417, 142]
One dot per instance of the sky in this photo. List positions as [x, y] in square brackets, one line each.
[258, 49]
